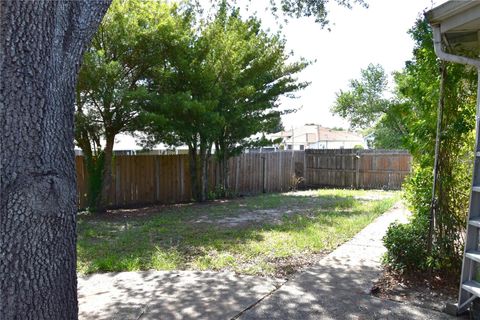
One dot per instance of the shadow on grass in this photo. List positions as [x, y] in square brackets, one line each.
[171, 240]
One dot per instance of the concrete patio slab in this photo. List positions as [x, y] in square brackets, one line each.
[169, 295]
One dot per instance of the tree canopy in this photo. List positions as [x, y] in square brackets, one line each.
[133, 38]
[221, 88]
[366, 106]
[308, 8]
[143, 44]
[364, 102]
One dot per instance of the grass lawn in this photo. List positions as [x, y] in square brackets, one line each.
[274, 234]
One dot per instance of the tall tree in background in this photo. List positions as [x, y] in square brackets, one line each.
[221, 89]
[408, 120]
[41, 45]
[181, 107]
[366, 107]
[252, 71]
[133, 39]
[365, 100]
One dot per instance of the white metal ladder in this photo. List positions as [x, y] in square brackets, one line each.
[469, 287]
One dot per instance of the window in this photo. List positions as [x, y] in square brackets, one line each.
[302, 147]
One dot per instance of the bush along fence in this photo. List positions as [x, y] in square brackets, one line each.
[164, 179]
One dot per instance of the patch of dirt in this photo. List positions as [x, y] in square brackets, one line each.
[241, 216]
[289, 266]
[273, 216]
[147, 211]
[284, 268]
[373, 196]
[417, 289]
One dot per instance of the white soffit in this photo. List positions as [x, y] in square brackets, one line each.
[459, 23]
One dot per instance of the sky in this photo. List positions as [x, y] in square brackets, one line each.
[358, 37]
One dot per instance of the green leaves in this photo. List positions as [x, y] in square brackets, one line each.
[134, 38]
[311, 8]
[418, 91]
[223, 82]
[364, 102]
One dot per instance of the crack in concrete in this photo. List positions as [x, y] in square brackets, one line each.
[277, 287]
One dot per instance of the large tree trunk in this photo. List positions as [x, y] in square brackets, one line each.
[193, 164]
[225, 170]
[41, 46]
[106, 174]
[204, 160]
[222, 159]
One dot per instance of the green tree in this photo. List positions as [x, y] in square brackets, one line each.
[408, 119]
[221, 89]
[367, 108]
[134, 37]
[418, 89]
[310, 8]
[183, 99]
[364, 102]
[252, 71]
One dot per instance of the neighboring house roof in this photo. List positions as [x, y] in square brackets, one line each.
[314, 133]
[335, 135]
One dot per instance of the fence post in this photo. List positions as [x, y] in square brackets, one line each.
[264, 170]
[237, 171]
[357, 170]
[305, 168]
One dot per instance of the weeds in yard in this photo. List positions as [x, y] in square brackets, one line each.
[197, 237]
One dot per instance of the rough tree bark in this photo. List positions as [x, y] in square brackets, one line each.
[106, 174]
[222, 160]
[205, 153]
[193, 165]
[41, 46]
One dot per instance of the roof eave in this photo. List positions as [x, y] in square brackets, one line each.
[448, 10]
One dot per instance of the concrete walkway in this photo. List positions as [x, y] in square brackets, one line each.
[336, 288]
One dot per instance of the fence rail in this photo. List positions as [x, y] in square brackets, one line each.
[146, 179]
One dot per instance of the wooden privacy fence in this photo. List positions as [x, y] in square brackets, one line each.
[362, 169]
[145, 179]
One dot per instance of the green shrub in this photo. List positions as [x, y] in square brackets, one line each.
[221, 193]
[407, 246]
